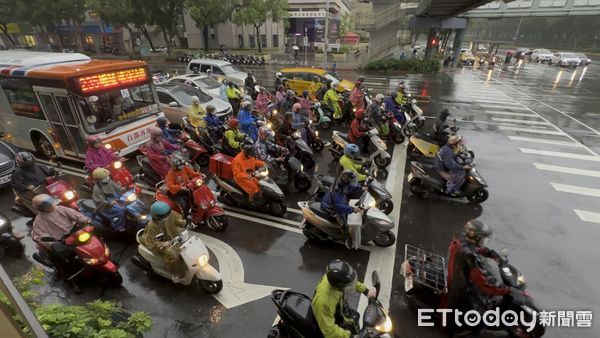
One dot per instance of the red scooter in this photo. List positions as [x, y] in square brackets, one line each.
[91, 256]
[118, 173]
[203, 206]
[55, 187]
[198, 154]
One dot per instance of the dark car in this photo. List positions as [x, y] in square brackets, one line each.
[7, 162]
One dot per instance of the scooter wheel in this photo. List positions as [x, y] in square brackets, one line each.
[203, 160]
[325, 125]
[416, 189]
[385, 239]
[13, 248]
[382, 162]
[478, 196]
[386, 206]
[318, 146]
[218, 223]
[114, 279]
[211, 286]
[308, 162]
[277, 208]
[309, 234]
[398, 138]
[302, 182]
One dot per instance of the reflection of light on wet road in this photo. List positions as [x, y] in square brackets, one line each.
[558, 76]
[489, 76]
[582, 73]
[572, 77]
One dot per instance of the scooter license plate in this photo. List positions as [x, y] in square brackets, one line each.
[5, 179]
[411, 177]
[408, 283]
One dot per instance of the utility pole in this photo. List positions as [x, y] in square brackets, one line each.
[326, 36]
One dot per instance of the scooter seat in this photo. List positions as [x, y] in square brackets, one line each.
[435, 176]
[88, 205]
[232, 183]
[298, 307]
[427, 138]
[316, 208]
[344, 136]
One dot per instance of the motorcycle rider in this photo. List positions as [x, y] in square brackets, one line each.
[168, 223]
[332, 101]
[469, 282]
[266, 149]
[27, 176]
[247, 120]
[243, 167]
[441, 129]
[232, 137]
[278, 80]
[336, 319]
[286, 129]
[280, 98]
[336, 201]
[448, 166]
[400, 95]
[97, 156]
[177, 179]
[356, 96]
[289, 100]
[169, 134]
[348, 161]
[299, 120]
[234, 96]
[223, 91]
[314, 87]
[249, 84]
[359, 130]
[196, 114]
[262, 101]
[212, 122]
[392, 106]
[105, 194]
[157, 150]
[305, 101]
[376, 114]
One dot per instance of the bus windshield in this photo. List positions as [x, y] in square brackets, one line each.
[111, 109]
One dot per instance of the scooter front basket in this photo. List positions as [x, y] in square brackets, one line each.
[426, 268]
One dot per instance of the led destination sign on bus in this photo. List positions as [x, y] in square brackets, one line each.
[92, 83]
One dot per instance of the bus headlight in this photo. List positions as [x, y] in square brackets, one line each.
[69, 195]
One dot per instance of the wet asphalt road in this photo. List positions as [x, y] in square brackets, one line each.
[534, 189]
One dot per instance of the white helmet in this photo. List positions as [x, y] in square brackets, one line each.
[195, 99]
[379, 97]
[278, 74]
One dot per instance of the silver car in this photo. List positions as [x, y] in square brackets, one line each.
[564, 59]
[176, 100]
[7, 162]
[206, 83]
[583, 60]
[219, 68]
[541, 55]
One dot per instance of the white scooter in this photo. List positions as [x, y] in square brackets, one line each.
[194, 254]
[380, 156]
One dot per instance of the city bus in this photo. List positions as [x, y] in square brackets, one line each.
[50, 102]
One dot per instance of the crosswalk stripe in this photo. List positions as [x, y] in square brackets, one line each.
[496, 112]
[545, 141]
[574, 189]
[534, 131]
[560, 154]
[496, 106]
[567, 170]
[588, 216]
[501, 102]
[500, 119]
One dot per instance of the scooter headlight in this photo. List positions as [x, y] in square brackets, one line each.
[269, 125]
[372, 204]
[2, 222]
[212, 203]
[386, 326]
[521, 280]
[203, 260]
[316, 133]
[132, 197]
[106, 251]
[274, 111]
[143, 217]
[83, 237]
[69, 195]
[199, 183]
[108, 146]
[301, 167]
[90, 261]
[117, 165]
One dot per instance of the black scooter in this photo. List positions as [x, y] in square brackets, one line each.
[296, 318]
[301, 150]
[10, 245]
[289, 171]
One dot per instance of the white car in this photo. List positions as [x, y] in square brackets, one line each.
[583, 60]
[219, 68]
[564, 59]
[206, 84]
[541, 55]
[176, 100]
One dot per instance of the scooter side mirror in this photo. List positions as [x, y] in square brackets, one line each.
[504, 252]
[376, 283]
[160, 237]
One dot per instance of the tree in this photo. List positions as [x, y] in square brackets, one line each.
[167, 15]
[210, 12]
[257, 12]
[346, 24]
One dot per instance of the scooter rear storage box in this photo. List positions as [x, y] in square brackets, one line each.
[220, 165]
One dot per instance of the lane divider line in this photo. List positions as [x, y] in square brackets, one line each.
[574, 189]
[545, 141]
[560, 154]
[567, 170]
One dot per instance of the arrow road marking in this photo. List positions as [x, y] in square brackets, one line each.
[235, 291]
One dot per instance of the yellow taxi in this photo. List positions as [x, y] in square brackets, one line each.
[467, 57]
[300, 78]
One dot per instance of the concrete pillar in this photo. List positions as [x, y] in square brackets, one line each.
[430, 47]
[459, 35]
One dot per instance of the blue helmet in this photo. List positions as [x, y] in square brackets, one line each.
[160, 210]
[351, 150]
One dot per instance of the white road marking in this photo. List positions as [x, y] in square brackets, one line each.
[235, 291]
[496, 112]
[535, 131]
[560, 154]
[567, 170]
[574, 189]
[500, 119]
[500, 102]
[262, 215]
[383, 259]
[588, 216]
[495, 106]
[545, 141]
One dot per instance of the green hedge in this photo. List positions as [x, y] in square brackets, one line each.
[408, 65]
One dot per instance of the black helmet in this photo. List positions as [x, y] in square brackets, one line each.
[340, 274]
[347, 176]
[162, 121]
[444, 114]
[476, 230]
[249, 150]
[24, 159]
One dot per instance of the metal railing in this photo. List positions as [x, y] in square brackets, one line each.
[386, 16]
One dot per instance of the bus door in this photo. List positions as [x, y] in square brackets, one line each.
[62, 116]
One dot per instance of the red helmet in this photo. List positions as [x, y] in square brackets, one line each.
[91, 140]
[155, 131]
[233, 123]
[296, 107]
[359, 114]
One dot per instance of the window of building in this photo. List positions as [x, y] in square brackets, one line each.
[20, 95]
[275, 40]
[241, 40]
[252, 41]
[263, 40]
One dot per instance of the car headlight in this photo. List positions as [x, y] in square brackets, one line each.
[203, 260]
[90, 261]
[132, 197]
[385, 327]
[117, 164]
[83, 237]
[69, 195]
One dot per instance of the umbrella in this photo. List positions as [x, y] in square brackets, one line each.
[294, 47]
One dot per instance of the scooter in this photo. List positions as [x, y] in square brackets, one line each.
[380, 156]
[193, 252]
[425, 282]
[320, 118]
[231, 194]
[118, 173]
[136, 210]
[428, 146]
[197, 153]
[55, 187]
[296, 319]
[369, 225]
[424, 180]
[395, 131]
[146, 172]
[301, 150]
[10, 245]
[91, 255]
[203, 137]
[415, 114]
[312, 136]
[203, 206]
[289, 171]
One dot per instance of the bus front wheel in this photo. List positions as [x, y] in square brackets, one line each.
[43, 146]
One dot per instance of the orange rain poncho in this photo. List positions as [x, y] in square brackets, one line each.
[243, 168]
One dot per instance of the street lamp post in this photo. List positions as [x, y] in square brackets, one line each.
[326, 38]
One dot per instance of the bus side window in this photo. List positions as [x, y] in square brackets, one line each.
[21, 98]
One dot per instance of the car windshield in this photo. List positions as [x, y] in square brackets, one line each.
[229, 69]
[569, 55]
[208, 83]
[111, 109]
[467, 53]
[184, 95]
[331, 78]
